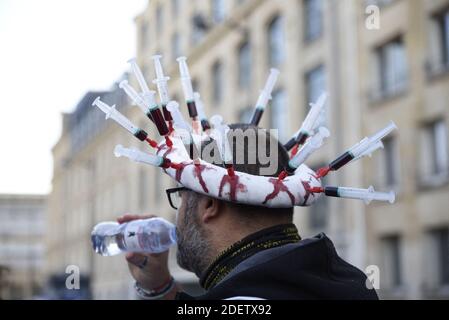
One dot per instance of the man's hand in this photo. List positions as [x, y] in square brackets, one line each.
[149, 270]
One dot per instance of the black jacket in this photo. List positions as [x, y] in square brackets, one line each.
[309, 269]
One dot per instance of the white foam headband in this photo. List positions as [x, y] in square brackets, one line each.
[214, 181]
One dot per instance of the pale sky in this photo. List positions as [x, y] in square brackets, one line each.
[51, 53]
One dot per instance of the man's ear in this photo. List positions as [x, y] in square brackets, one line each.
[209, 208]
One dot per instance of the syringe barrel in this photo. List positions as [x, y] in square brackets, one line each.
[199, 106]
[366, 195]
[187, 89]
[138, 156]
[173, 108]
[122, 120]
[111, 112]
[186, 82]
[201, 112]
[161, 80]
[312, 145]
[367, 143]
[220, 135]
[271, 81]
[135, 97]
[139, 76]
[313, 114]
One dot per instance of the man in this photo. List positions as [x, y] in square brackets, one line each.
[246, 252]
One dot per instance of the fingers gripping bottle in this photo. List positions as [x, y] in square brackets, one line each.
[154, 235]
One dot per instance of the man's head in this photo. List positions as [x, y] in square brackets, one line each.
[207, 226]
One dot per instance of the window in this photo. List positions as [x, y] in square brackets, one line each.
[391, 272]
[388, 171]
[439, 45]
[199, 28]
[318, 212]
[176, 46]
[276, 42]
[440, 243]
[315, 82]
[434, 151]
[217, 79]
[244, 65]
[391, 64]
[218, 10]
[313, 19]
[279, 114]
[444, 28]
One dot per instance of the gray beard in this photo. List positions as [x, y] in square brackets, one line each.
[193, 250]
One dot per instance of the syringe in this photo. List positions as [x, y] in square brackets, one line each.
[183, 130]
[362, 149]
[112, 113]
[309, 125]
[186, 82]
[264, 96]
[366, 195]
[220, 135]
[202, 114]
[312, 145]
[161, 83]
[142, 157]
[140, 79]
[149, 107]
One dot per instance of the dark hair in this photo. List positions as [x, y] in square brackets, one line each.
[255, 168]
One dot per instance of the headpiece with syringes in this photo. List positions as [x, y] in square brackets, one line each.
[146, 101]
[296, 184]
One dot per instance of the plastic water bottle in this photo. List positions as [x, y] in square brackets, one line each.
[152, 235]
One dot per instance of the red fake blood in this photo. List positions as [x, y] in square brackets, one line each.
[151, 142]
[199, 168]
[310, 191]
[295, 149]
[170, 127]
[279, 187]
[234, 184]
[179, 167]
[322, 172]
[168, 141]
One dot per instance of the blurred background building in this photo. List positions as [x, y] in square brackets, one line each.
[397, 70]
[22, 247]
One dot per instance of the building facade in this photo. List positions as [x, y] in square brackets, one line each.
[22, 245]
[378, 60]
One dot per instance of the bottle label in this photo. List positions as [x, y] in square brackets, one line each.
[132, 235]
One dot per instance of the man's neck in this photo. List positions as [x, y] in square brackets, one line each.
[229, 256]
